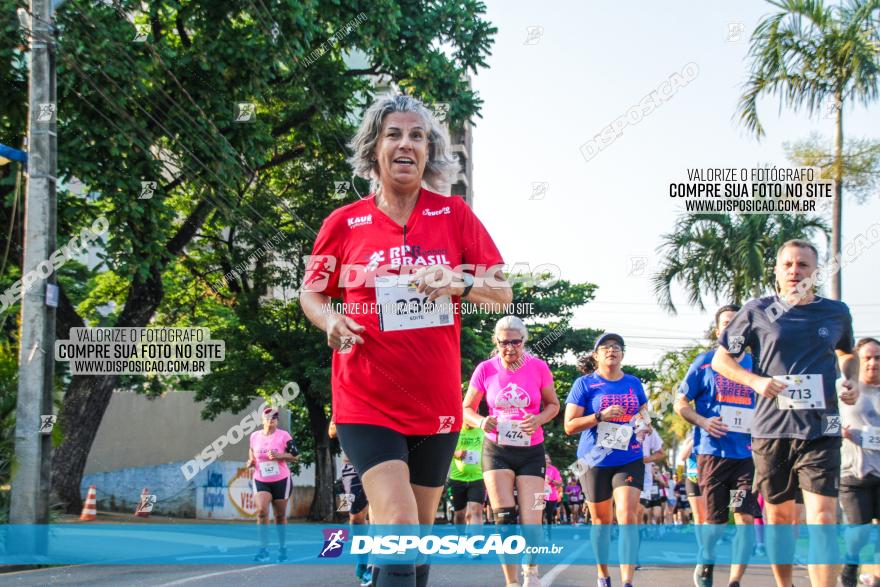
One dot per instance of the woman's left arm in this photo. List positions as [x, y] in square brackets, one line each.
[551, 405]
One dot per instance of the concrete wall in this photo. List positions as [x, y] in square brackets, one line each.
[141, 432]
[144, 443]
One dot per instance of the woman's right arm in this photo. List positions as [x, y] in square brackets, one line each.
[575, 421]
[469, 404]
[319, 311]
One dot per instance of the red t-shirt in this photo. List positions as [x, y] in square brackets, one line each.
[405, 380]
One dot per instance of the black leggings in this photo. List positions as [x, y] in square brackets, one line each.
[428, 457]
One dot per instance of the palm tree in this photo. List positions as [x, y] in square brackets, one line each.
[728, 256]
[810, 55]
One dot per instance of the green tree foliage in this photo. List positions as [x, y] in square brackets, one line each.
[861, 162]
[152, 93]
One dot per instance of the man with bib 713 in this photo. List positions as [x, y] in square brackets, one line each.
[798, 341]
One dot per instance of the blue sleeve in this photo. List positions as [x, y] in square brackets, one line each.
[580, 395]
[690, 387]
[640, 393]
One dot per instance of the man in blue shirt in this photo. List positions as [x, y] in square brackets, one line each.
[799, 341]
[722, 418]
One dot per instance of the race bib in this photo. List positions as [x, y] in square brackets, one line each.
[402, 307]
[510, 434]
[871, 437]
[269, 468]
[804, 392]
[655, 490]
[614, 436]
[738, 418]
[471, 457]
[644, 495]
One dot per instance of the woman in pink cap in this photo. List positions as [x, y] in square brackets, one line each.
[270, 449]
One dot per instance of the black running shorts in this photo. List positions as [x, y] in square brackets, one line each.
[784, 465]
[279, 489]
[522, 460]
[860, 499]
[599, 483]
[428, 457]
[464, 492]
[351, 484]
[726, 483]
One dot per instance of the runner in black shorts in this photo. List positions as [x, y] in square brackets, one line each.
[722, 415]
[679, 510]
[355, 501]
[610, 410]
[269, 452]
[794, 337]
[860, 470]
[396, 379]
[521, 397]
[466, 481]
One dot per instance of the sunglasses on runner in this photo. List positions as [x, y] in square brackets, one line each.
[610, 347]
[514, 342]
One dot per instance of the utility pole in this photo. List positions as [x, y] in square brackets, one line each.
[30, 483]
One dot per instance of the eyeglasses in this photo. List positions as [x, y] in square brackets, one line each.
[610, 347]
[506, 343]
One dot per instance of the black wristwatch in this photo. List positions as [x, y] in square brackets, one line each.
[598, 416]
[468, 280]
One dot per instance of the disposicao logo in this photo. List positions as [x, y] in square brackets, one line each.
[334, 539]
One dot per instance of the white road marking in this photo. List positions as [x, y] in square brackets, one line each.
[547, 579]
[207, 575]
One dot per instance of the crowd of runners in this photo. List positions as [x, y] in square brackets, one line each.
[785, 410]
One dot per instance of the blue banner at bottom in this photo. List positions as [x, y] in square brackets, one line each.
[231, 544]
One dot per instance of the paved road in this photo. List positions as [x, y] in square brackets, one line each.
[269, 575]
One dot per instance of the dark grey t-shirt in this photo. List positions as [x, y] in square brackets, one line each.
[801, 340]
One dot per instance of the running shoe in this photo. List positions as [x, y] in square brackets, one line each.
[262, 555]
[849, 576]
[367, 578]
[604, 582]
[282, 554]
[530, 576]
[760, 550]
[703, 575]
[734, 584]
[359, 570]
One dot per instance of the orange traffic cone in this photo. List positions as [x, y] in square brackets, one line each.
[145, 506]
[90, 507]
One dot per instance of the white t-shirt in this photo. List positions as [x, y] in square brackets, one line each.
[650, 445]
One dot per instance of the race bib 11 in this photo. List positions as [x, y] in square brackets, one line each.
[738, 418]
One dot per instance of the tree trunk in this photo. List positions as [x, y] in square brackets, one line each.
[88, 396]
[84, 405]
[837, 214]
[325, 469]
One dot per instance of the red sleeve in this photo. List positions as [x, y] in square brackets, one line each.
[478, 248]
[323, 266]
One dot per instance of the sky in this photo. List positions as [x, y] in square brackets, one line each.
[562, 71]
